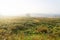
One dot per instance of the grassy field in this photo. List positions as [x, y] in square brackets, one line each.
[24, 28]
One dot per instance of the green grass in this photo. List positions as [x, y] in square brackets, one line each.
[30, 29]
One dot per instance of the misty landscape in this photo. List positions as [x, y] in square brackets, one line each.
[29, 19]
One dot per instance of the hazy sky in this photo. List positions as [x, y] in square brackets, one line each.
[21, 7]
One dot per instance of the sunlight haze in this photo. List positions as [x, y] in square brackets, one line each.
[21, 7]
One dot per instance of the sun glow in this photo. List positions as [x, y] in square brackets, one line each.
[8, 14]
[12, 14]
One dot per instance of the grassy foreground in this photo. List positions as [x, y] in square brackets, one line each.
[30, 28]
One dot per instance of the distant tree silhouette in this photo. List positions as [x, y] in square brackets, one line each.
[28, 15]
